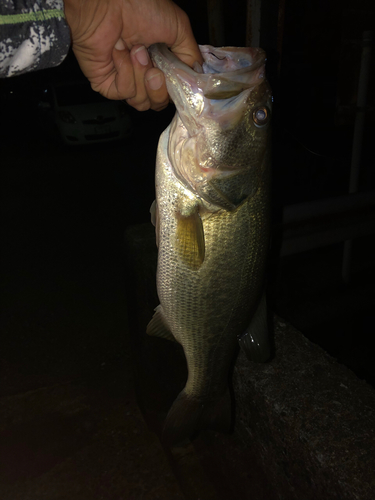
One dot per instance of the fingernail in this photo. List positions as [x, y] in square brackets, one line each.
[155, 81]
[120, 44]
[142, 56]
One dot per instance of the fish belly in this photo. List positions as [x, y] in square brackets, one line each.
[207, 308]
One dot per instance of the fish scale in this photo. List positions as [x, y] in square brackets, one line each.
[213, 234]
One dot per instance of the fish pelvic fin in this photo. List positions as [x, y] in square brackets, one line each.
[189, 415]
[158, 326]
[153, 213]
[190, 243]
[254, 342]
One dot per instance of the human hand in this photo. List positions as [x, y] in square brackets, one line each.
[110, 38]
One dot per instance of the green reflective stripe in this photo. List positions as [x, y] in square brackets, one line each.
[39, 15]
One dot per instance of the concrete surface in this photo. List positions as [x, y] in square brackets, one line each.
[70, 426]
[304, 424]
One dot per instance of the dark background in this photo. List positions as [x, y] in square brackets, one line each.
[65, 210]
[70, 426]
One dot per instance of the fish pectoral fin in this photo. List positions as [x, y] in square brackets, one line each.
[190, 245]
[255, 340]
[158, 326]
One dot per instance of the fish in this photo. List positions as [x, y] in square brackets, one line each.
[212, 222]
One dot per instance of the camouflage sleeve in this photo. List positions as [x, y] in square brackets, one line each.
[33, 35]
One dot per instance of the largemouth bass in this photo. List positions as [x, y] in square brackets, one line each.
[212, 225]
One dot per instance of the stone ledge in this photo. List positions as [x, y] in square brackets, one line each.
[309, 420]
[304, 426]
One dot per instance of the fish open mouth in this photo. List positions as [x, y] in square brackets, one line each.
[225, 72]
[218, 103]
[229, 59]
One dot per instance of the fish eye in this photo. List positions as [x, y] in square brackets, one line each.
[260, 116]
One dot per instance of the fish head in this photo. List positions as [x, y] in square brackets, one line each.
[219, 136]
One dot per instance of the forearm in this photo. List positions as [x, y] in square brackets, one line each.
[35, 36]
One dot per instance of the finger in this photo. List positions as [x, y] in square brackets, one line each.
[141, 63]
[121, 84]
[156, 89]
[185, 46]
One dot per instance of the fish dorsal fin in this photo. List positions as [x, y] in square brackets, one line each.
[190, 244]
[158, 326]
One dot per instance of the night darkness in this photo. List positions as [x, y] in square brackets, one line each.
[65, 211]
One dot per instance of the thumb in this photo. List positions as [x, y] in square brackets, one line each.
[185, 47]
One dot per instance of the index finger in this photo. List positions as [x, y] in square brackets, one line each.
[185, 46]
[156, 89]
[123, 84]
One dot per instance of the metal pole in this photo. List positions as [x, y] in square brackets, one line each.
[359, 124]
[253, 23]
[359, 127]
[216, 23]
[306, 211]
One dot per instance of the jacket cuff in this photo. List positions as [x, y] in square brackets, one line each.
[33, 36]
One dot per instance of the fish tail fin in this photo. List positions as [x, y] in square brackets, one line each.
[189, 415]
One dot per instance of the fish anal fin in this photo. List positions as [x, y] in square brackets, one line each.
[189, 415]
[158, 327]
[189, 242]
[255, 340]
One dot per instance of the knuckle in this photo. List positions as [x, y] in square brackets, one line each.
[144, 106]
[139, 106]
[159, 106]
[128, 92]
